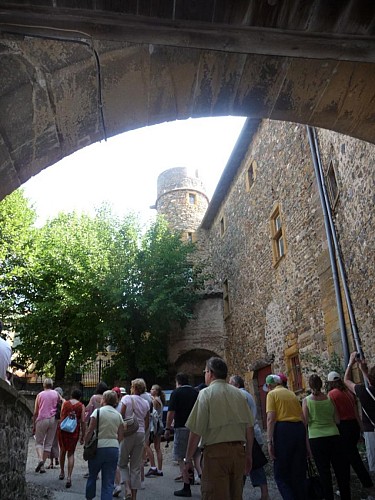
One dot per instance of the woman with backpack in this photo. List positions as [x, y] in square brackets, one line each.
[72, 408]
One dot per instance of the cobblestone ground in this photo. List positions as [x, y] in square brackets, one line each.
[47, 486]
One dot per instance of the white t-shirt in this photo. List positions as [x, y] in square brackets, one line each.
[5, 355]
[141, 408]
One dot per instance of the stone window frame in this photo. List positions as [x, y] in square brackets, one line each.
[331, 182]
[250, 176]
[223, 225]
[192, 196]
[191, 236]
[295, 376]
[277, 235]
[226, 299]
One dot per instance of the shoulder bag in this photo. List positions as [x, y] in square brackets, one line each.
[131, 424]
[69, 424]
[314, 483]
[89, 449]
[259, 458]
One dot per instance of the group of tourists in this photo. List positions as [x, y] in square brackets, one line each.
[216, 434]
[327, 428]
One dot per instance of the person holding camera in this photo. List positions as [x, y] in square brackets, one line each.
[349, 425]
[366, 395]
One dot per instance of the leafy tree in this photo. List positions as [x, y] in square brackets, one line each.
[16, 247]
[99, 281]
[157, 292]
[64, 321]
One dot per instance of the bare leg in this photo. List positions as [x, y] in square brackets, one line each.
[70, 464]
[159, 454]
[264, 492]
[149, 454]
[62, 461]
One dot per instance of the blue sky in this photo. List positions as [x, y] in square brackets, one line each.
[123, 171]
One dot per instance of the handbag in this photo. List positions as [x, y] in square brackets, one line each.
[259, 458]
[314, 483]
[89, 449]
[131, 424]
[69, 424]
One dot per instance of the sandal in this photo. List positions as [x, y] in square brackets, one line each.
[39, 466]
[68, 483]
[61, 476]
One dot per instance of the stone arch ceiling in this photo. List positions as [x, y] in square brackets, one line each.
[75, 72]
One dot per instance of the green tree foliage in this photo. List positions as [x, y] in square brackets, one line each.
[99, 281]
[157, 294]
[16, 248]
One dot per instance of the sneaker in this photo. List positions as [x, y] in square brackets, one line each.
[116, 491]
[159, 473]
[152, 472]
[182, 493]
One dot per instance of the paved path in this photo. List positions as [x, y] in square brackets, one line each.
[158, 488]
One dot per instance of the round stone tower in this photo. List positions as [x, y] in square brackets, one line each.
[181, 198]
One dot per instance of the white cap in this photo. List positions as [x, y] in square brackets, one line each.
[333, 376]
[122, 390]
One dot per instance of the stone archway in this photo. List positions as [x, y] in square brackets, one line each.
[70, 77]
[193, 363]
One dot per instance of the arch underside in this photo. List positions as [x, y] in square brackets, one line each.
[59, 96]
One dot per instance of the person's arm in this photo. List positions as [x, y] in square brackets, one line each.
[120, 432]
[190, 450]
[347, 377]
[305, 412]
[168, 424]
[364, 368]
[90, 430]
[156, 403]
[147, 421]
[83, 424]
[271, 420]
[249, 449]
[123, 409]
[36, 412]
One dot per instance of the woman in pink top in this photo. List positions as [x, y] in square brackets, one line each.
[131, 448]
[44, 422]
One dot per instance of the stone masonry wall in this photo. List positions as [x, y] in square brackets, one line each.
[174, 186]
[15, 426]
[354, 215]
[278, 311]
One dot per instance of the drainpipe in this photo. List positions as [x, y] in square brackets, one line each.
[344, 280]
[330, 237]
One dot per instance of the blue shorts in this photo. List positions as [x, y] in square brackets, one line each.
[180, 442]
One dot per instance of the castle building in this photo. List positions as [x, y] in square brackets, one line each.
[271, 305]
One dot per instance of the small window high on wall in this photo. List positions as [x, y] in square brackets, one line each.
[226, 298]
[296, 373]
[250, 175]
[192, 198]
[332, 185]
[278, 236]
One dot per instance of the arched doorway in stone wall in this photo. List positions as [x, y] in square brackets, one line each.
[193, 363]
